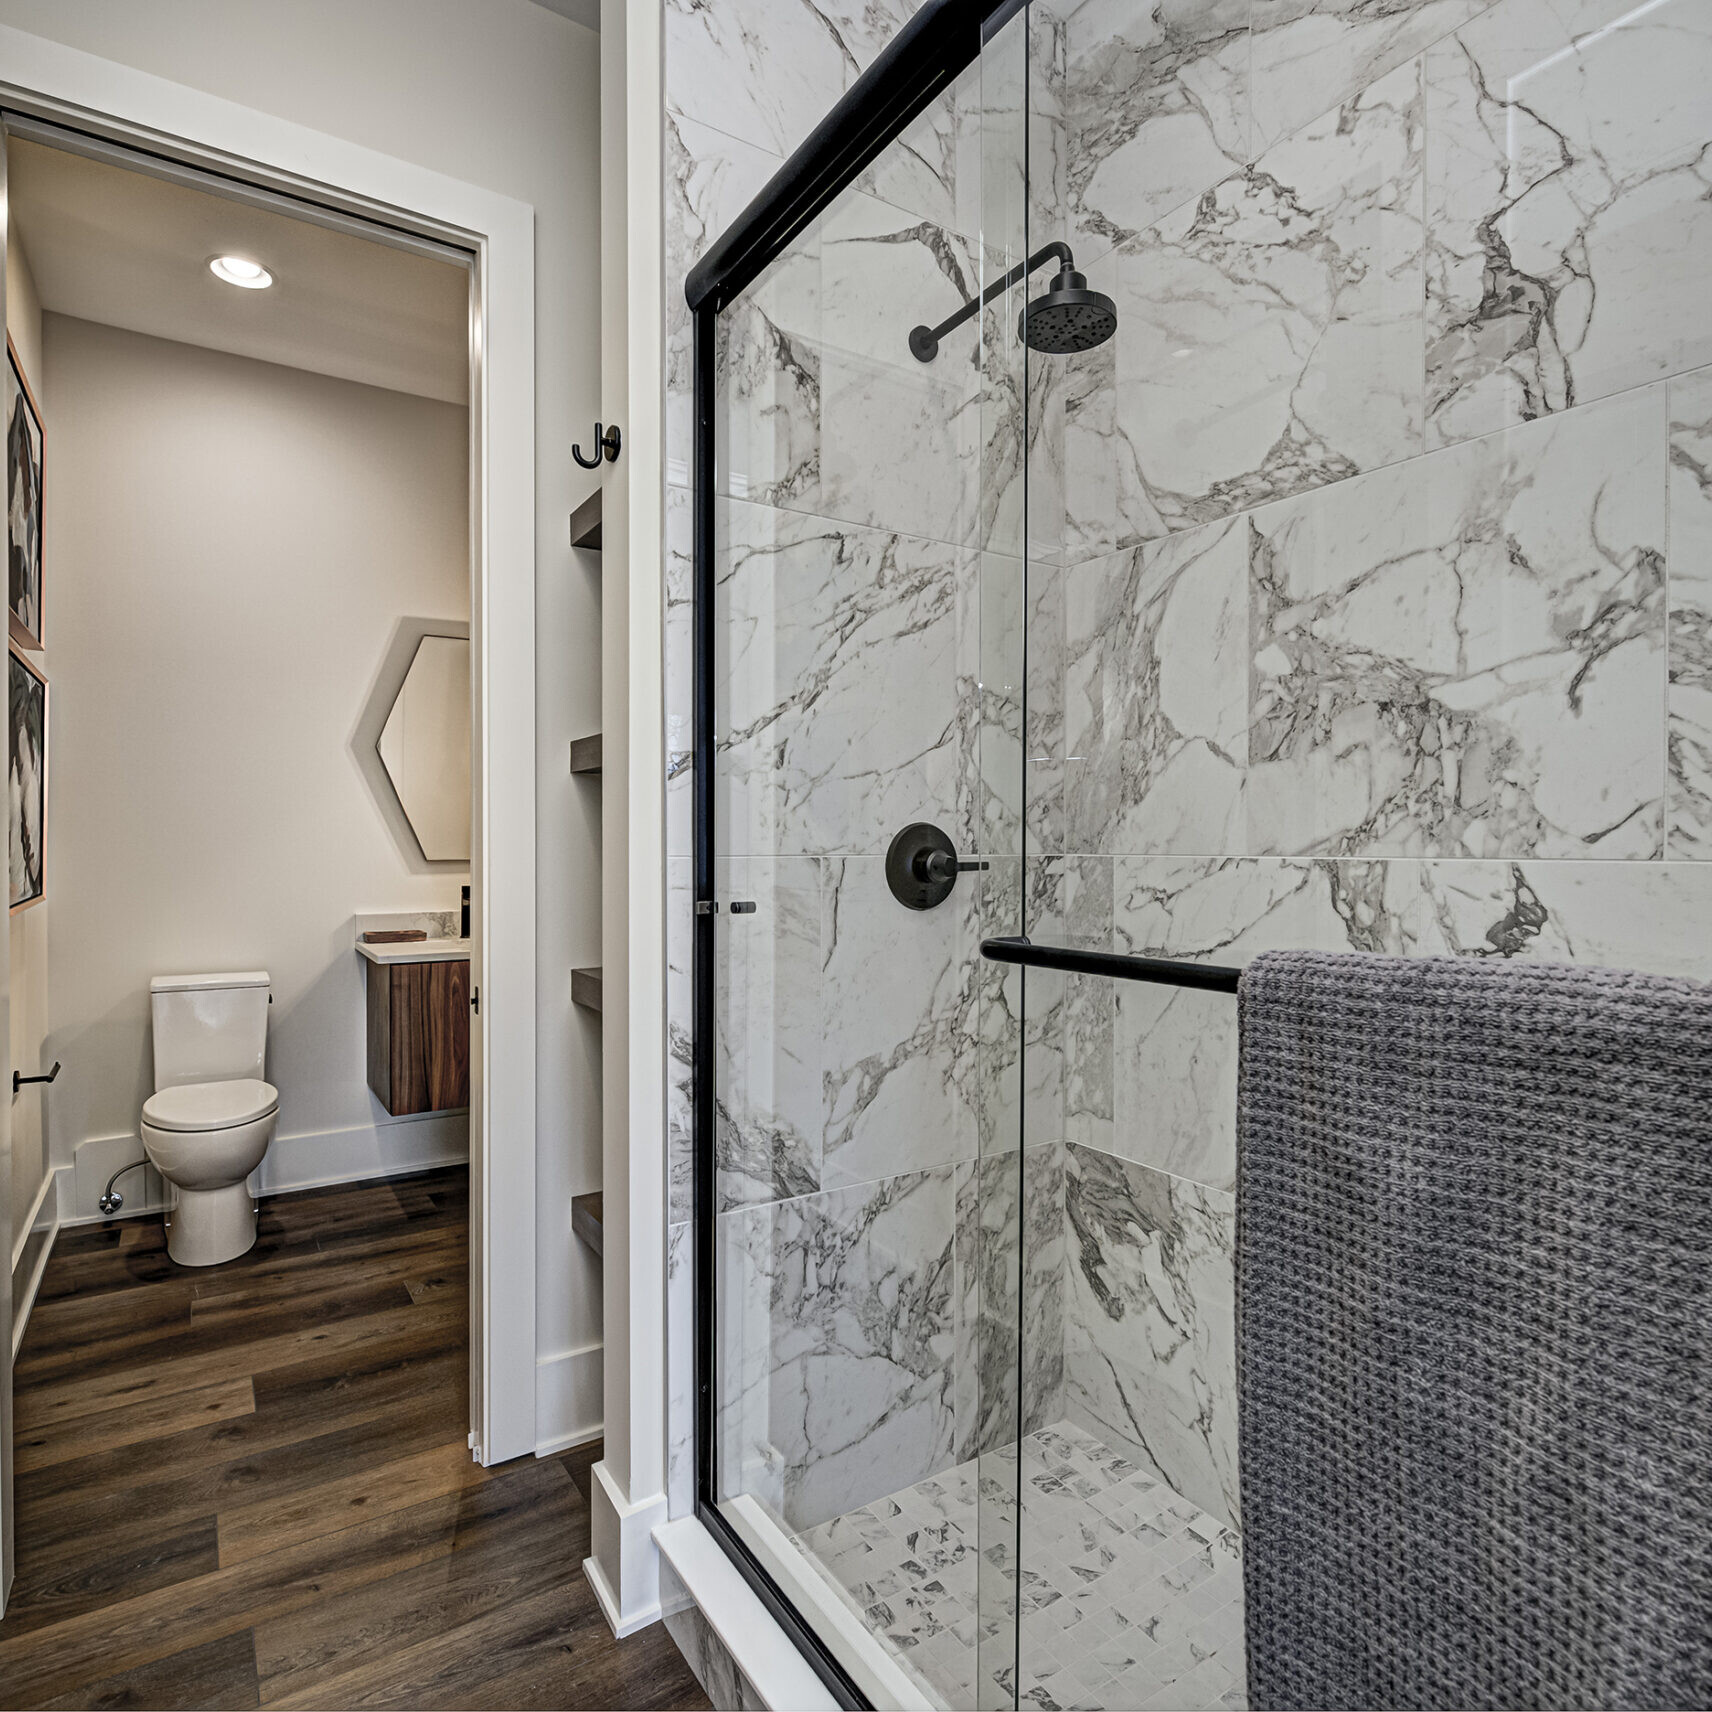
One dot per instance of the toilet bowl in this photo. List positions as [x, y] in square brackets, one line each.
[208, 1123]
[206, 1138]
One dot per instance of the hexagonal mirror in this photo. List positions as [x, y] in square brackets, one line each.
[425, 747]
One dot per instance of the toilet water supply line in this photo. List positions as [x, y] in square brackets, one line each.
[110, 1203]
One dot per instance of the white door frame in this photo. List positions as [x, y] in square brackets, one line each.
[134, 108]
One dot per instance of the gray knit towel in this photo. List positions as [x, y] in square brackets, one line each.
[1474, 1272]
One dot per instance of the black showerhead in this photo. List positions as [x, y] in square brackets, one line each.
[1068, 318]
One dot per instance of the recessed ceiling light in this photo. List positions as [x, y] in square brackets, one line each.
[237, 270]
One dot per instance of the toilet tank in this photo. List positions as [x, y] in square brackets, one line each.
[209, 1028]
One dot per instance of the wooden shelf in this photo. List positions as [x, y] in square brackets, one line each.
[585, 754]
[585, 988]
[585, 523]
[585, 1219]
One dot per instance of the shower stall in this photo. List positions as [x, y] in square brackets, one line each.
[1169, 483]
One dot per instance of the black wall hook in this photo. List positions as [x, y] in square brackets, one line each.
[606, 447]
[19, 1079]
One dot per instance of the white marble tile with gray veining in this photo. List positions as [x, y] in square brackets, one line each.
[1689, 831]
[680, 1037]
[1269, 332]
[1002, 1240]
[1156, 697]
[1175, 1051]
[1465, 655]
[846, 702]
[767, 71]
[1311, 56]
[769, 1066]
[1569, 207]
[1155, 111]
[680, 1371]
[1150, 1334]
[837, 1340]
[679, 759]
[710, 177]
[897, 1013]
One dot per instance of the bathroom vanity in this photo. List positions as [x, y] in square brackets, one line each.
[419, 1024]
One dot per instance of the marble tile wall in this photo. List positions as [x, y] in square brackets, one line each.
[1368, 606]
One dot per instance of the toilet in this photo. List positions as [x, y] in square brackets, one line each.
[211, 1117]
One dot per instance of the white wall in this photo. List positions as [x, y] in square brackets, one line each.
[29, 928]
[503, 94]
[234, 545]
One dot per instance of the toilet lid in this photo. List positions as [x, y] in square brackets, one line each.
[210, 1105]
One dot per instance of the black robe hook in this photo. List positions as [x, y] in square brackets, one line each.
[605, 447]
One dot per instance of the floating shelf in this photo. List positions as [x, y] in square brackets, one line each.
[585, 1219]
[585, 754]
[585, 988]
[585, 523]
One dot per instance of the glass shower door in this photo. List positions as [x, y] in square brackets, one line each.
[865, 1124]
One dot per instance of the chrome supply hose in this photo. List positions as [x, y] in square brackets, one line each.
[110, 1203]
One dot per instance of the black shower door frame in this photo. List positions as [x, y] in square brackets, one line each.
[939, 42]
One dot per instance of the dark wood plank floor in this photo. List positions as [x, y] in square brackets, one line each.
[248, 1485]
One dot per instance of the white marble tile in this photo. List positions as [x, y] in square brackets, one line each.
[1127, 1585]
[1150, 1335]
[813, 616]
[1269, 332]
[1689, 831]
[897, 1014]
[679, 759]
[680, 1037]
[1569, 207]
[1155, 111]
[680, 1371]
[1312, 56]
[1175, 1051]
[932, 167]
[765, 71]
[769, 1065]
[837, 1340]
[1004, 1244]
[1464, 656]
[710, 177]
[1156, 699]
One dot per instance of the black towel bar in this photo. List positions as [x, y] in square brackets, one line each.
[1210, 977]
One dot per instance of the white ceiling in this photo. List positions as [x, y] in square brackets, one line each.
[131, 250]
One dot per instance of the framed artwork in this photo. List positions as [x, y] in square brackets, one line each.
[28, 780]
[23, 505]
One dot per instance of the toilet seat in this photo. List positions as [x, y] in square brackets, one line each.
[194, 1107]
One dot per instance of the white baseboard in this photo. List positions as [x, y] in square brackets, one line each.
[624, 1569]
[28, 1222]
[24, 1295]
[569, 1399]
[364, 1150]
[310, 1161]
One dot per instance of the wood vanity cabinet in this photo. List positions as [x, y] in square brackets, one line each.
[419, 1036]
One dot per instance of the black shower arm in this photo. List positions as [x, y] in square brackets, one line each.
[924, 341]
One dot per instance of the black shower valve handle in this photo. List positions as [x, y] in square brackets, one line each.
[922, 866]
[937, 865]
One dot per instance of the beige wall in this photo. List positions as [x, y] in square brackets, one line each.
[29, 928]
[234, 545]
[504, 94]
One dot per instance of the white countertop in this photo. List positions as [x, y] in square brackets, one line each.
[417, 951]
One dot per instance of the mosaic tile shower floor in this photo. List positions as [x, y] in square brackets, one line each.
[1131, 1596]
